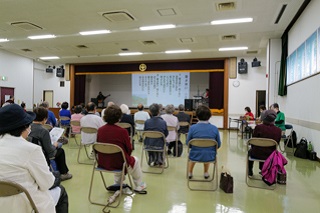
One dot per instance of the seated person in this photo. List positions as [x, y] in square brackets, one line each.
[155, 123]
[171, 120]
[76, 116]
[280, 119]
[66, 113]
[113, 134]
[126, 117]
[24, 163]
[51, 117]
[183, 117]
[248, 115]
[262, 109]
[266, 130]
[41, 137]
[141, 115]
[203, 129]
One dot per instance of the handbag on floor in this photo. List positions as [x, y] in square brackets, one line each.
[281, 178]
[226, 181]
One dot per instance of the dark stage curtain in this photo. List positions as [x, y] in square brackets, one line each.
[216, 86]
[79, 89]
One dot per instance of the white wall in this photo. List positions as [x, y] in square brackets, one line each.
[19, 71]
[49, 81]
[302, 102]
[245, 94]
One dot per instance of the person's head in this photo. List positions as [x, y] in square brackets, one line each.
[140, 107]
[41, 114]
[181, 107]
[247, 109]
[23, 105]
[78, 109]
[110, 103]
[154, 109]
[124, 108]
[207, 90]
[45, 104]
[268, 116]
[11, 97]
[64, 105]
[112, 114]
[262, 108]
[203, 113]
[15, 121]
[91, 107]
[169, 109]
[275, 107]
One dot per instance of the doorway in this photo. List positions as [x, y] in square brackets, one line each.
[260, 100]
[6, 92]
[48, 96]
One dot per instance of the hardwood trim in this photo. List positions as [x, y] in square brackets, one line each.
[146, 72]
[226, 94]
[72, 82]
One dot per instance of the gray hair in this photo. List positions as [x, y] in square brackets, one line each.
[45, 104]
[169, 109]
[154, 109]
[181, 107]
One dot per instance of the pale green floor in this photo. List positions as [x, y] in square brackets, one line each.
[168, 192]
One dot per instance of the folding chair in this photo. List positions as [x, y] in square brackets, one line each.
[9, 188]
[173, 128]
[261, 142]
[288, 138]
[184, 124]
[127, 126]
[162, 150]
[108, 149]
[74, 123]
[83, 144]
[138, 131]
[204, 143]
[65, 127]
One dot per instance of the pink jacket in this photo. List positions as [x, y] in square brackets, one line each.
[274, 163]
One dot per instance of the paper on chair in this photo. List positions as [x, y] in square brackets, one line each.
[55, 134]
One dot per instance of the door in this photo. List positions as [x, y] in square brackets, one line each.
[6, 92]
[48, 96]
[260, 100]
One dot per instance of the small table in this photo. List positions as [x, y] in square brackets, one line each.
[235, 120]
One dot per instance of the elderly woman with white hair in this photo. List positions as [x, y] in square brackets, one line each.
[126, 117]
[173, 121]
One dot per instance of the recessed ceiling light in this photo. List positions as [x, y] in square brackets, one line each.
[3, 40]
[231, 21]
[232, 48]
[158, 27]
[131, 53]
[42, 36]
[95, 32]
[177, 51]
[49, 57]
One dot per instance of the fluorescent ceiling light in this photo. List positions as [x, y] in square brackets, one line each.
[232, 48]
[96, 32]
[3, 40]
[232, 21]
[131, 53]
[177, 51]
[158, 27]
[42, 36]
[49, 57]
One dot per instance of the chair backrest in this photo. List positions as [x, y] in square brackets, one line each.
[108, 148]
[88, 130]
[47, 126]
[64, 118]
[202, 142]
[153, 134]
[139, 121]
[262, 142]
[183, 123]
[172, 128]
[9, 188]
[75, 123]
[126, 126]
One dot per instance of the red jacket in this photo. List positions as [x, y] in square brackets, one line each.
[274, 163]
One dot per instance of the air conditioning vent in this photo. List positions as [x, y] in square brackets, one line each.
[252, 52]
[187, 40]
[228, 37]
[26, 50]
[147, 43]
[225, 6]
[118, 16]
[26, 26]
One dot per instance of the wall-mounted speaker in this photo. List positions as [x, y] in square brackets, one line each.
[60, 72]
[49, 70]
[242, 67]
